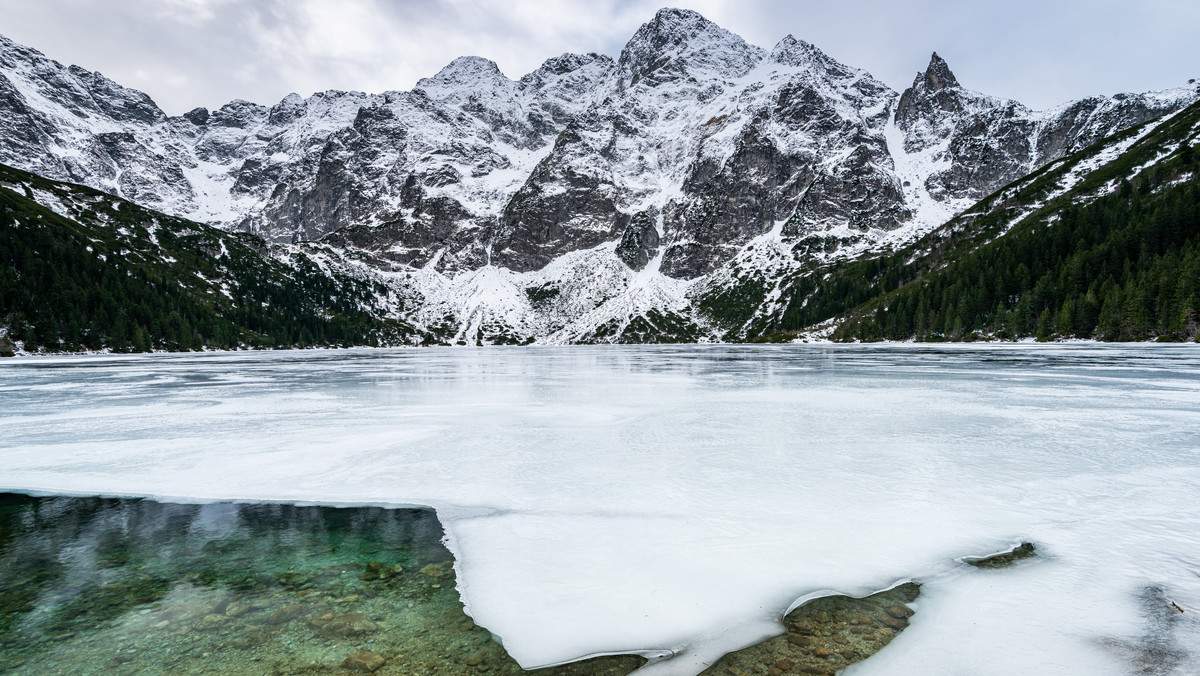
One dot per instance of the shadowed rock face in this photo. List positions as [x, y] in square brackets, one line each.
[560, 208]
[640, 241]
[814, 156]
[733, 204]
[938, 75]
[925, 95]
[724, 139]
[991, 142]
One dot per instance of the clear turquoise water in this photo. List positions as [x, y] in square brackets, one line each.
[104, 586]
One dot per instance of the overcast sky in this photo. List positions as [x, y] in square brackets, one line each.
[188, 53]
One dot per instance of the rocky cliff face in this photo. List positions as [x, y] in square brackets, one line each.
[983, 143]
[688, 156]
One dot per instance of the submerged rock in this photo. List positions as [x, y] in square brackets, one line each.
[364, 661]
[238, 608]
[350, 625]
[318, 621]
[287, 613]
[826, 635]
[437, 570]
[1025, 550]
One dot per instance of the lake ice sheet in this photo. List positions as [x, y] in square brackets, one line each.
[643, 498]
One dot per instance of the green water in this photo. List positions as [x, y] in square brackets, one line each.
[101, 586]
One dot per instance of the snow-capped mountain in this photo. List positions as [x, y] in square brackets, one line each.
[591, 199]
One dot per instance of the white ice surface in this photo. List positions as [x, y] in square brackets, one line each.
[609, 499]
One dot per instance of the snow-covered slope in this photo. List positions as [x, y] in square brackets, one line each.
[631, 187]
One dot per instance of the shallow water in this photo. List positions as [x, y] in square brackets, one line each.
[111, 586]
[681, 499]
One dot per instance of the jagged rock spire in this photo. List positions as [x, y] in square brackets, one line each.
[935, 89]
[937, 75]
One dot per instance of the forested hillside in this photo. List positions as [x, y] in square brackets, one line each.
[105, 273]
[1126, 267]
[1113, 256]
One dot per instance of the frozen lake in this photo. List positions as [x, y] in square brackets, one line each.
[681, 499]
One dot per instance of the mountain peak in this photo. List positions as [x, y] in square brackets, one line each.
[466, 68]
[790, 50]
[565, 64]
[76, 89]
[11, 52]
[690, 42]
[569, 80]
[674, 16]
[937, 75]
[801, 54]
[464, 73]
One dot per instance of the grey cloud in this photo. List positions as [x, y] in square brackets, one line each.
[187, 53]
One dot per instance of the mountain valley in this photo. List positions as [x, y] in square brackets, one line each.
[696, 188]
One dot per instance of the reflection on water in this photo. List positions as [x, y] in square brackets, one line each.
[101, 586]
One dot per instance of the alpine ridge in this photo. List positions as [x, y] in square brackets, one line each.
[591, 200]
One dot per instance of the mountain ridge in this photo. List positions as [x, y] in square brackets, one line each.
[654, 179]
